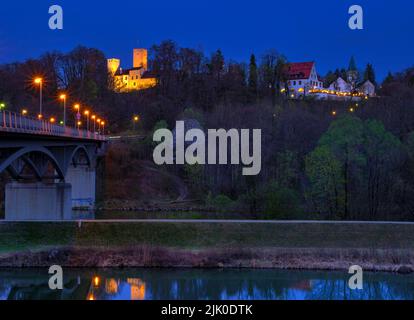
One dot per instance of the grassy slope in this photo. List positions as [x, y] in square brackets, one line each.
[22, 236]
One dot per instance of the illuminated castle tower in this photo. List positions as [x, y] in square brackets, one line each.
[141, 58]
[113, 65]
[136, 78]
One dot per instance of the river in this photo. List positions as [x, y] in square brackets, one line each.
[201, 284]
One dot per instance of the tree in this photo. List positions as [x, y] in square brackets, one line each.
[389, 78]
[252, 82]
[272, 73]
[217, 65]
[383, 155]
[369, 74]
[329, 78]
[367, 156]
[326, 191]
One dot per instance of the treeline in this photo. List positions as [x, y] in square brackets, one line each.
[321, 159]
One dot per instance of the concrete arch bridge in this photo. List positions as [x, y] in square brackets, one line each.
[53, 168]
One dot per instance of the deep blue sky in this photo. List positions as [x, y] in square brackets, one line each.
[303, 30]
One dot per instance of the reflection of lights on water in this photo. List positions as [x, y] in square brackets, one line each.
[111, 286]
[91, 297]
[137, 288]
[96, 281]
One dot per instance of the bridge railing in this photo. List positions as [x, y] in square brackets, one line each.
[11, 121]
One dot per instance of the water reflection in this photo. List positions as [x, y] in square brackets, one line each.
[115, 289]
[150, 284]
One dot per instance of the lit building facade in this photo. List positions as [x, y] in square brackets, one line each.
[136, 78]
[301, 78]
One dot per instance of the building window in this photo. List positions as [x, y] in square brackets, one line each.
[300, 83]
[294, 83]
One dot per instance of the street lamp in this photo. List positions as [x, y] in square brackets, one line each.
[78, 115]
[103, 127]
[94, 123]
[63, 98]
[135, 120]
[39, 81]
[52, 120]
[24, 112]
[79, 124]
[86, 113]
[2, 105]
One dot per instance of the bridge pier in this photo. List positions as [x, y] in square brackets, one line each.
[83, 181]
[38, 201]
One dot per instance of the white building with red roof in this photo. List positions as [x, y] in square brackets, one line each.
[301, 77]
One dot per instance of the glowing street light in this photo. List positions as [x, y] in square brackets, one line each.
[86, 113]
[334, 113]
[135, 121]
[39, 82]
[103, 127]
[78, 115]
[79, 123]
[52, 120]
[24, 112]
[63, 98]
[94, 123]
[2, 105]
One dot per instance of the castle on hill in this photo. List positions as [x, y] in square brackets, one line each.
[136, 78]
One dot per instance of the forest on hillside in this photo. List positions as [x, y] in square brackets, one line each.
[320, 159]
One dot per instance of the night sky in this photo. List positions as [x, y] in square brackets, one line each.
[302, 30]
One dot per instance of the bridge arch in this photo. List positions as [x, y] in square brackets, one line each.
[22, 155]
[79, 151]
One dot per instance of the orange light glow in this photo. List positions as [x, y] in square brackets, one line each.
[52, 120]
[24, 112]
[62, 97]
[76, 106]
[86, 113]
[93, 117]
[39, 116]
[91, 297]
[38, 80]
[96, 281]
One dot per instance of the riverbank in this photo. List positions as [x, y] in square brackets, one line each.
[294, 245]
[156, 257]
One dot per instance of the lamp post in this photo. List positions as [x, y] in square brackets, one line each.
[94, 123]
[103, 127]
[86, 113]
[39, 81]
[63, 98]
[135, 120]
[24, 112]
[78, 115]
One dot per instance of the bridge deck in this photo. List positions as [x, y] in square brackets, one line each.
[11, 122]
